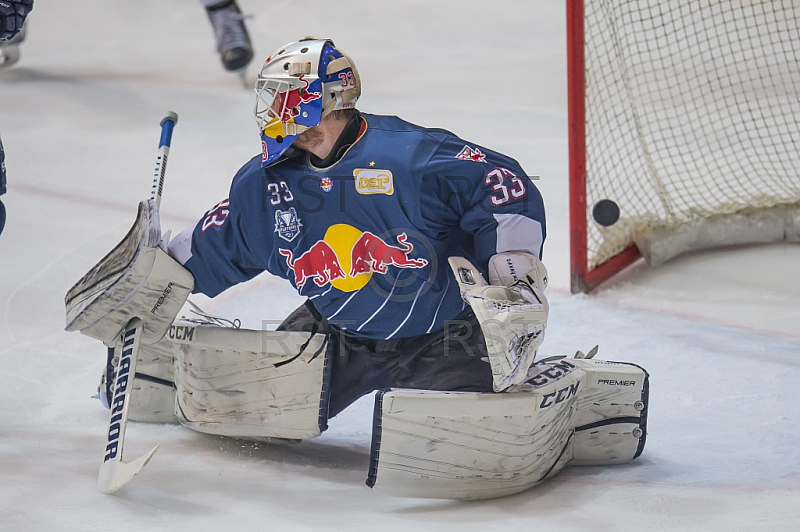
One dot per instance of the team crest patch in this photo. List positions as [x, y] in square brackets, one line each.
[471, 154]
[326, 184]
[287, 224]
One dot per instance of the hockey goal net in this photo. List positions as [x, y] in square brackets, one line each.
[683, 128]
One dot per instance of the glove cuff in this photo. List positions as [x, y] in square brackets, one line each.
[511, 267]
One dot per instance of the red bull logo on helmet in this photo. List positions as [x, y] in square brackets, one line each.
[347, 258]
[290, 100]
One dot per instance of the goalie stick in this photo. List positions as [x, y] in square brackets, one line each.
[114, 473]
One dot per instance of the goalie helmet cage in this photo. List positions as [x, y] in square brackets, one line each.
[684, 116]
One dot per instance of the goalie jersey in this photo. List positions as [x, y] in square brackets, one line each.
[367, 239]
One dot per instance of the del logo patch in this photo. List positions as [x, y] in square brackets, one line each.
[471, 154]
[373, 181]
[287, 224]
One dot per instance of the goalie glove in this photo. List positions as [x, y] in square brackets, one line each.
[520, 270]
[136, 279]
[512, 311]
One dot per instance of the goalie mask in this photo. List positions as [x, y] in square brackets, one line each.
[298, 86]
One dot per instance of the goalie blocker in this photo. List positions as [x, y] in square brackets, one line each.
[136, 279]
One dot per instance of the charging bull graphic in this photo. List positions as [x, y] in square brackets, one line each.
[363, 254]
[372, 253]
[319, 263]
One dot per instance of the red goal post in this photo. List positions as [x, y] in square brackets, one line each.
[683, 129]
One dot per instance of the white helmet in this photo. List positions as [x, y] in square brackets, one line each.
[297, 87]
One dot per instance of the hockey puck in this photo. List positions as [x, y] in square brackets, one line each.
[605, 212]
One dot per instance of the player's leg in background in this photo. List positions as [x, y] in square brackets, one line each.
[12, 29]
[9, 50]
[233, 41]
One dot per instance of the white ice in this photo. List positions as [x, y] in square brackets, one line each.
[718, 331]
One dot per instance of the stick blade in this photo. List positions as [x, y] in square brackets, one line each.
[115, 474]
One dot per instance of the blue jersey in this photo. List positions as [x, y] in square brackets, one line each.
[367, 239]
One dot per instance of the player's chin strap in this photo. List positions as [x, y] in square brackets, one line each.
[292, 128]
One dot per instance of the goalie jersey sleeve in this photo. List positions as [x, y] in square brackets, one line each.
[489, 196]
[220, 249]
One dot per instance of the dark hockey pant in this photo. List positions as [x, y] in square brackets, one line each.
[452, 359]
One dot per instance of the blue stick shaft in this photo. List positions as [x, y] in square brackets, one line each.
[167, 125]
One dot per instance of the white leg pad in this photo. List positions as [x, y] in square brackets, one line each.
[611, 423]
[250, 384]
[153, 397]
[465, 445]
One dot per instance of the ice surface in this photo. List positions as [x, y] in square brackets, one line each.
[718, 331]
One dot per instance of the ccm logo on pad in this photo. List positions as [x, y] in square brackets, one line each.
[550, 399]
[373, 181]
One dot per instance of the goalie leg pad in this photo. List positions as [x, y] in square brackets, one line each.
[153, 393]
[468, 445]
[251, 384]
[611, 423]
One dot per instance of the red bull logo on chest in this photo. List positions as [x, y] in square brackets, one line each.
[347, 257]
[371, 253]
[319, 264]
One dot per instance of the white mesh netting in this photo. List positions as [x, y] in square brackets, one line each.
[692, 111]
